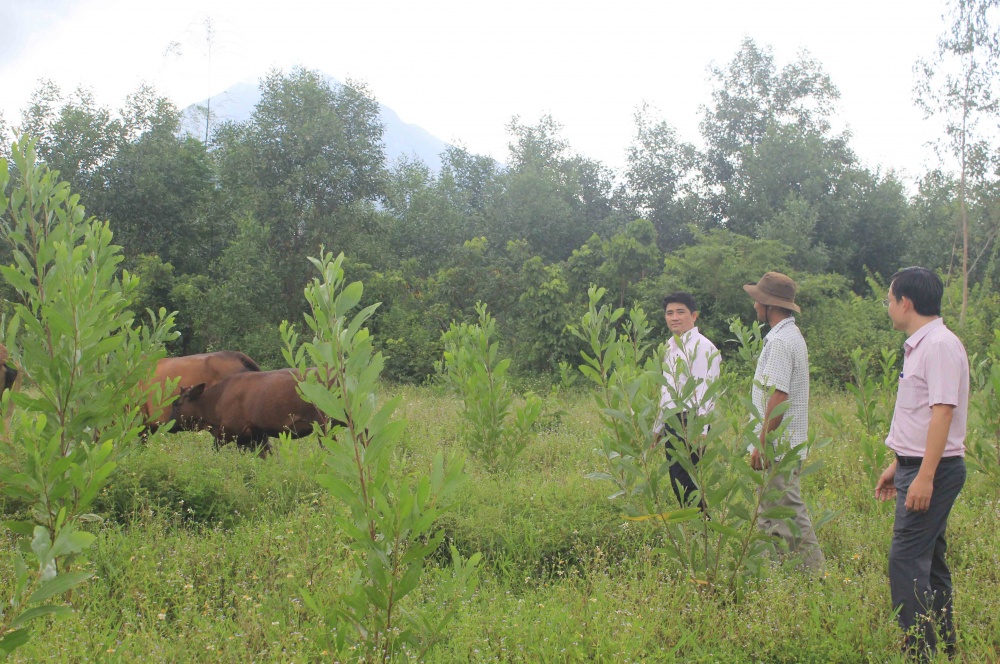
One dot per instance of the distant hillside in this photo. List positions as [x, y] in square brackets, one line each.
[401, 139]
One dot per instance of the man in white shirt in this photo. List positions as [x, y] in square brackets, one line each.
[690, 359]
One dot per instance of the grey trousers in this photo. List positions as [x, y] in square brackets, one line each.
[805, 544]
[919, 579]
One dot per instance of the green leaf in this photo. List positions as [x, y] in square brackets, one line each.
[324, 399]
[17, 279]
[58, 585]
[723, 529]
[14, 640]
[676, 516]
[812, 468]
[40, 611]
[779, 512]
[41, 543]
[72, 542]
[20, 527]
[409, 581]
[339, 488]
[349, 298]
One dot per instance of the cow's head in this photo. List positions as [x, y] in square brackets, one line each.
[185, 407]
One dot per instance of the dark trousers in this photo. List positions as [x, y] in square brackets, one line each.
[919, 579]
[680, 480]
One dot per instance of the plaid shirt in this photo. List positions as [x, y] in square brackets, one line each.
[784, 365]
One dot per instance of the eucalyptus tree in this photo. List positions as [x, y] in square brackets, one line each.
[422, 219]
[660, 179]
[789, 173]
[960, 84]
[73, 134]
[550, 196]
[930, 223]
[130, 167]
[469, 180]
[157, 188]
[750, 98]
[72, 333]
[308, 166]
[775, 169]
[6, 138]
[630, 257]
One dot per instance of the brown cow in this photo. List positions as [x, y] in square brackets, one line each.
[207, 368]
[248, 408]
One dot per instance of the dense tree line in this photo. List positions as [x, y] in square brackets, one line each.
[220, 231]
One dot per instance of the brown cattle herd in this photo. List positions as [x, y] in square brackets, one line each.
[224, 393]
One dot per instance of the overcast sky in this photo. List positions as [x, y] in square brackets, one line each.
[462, 68]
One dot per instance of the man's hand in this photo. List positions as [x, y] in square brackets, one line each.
[886, 487]
[918, 496]
[756, 462]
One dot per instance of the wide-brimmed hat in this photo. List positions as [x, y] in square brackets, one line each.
[775, 290]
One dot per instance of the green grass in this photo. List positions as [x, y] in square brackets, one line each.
[203, 557]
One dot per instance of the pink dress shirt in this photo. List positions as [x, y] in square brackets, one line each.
[935, 371]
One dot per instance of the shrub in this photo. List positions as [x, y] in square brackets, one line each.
[76, 341]
[390, 524]
[494, 429]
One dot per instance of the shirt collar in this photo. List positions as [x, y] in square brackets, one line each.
[788, 322]
[685, 338]
[918, 336]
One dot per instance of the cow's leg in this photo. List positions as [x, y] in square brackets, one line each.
[220, 438]
[254, 442]
[261, 443]
[264, 448]
[243, 443]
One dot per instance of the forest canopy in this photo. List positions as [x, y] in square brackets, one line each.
[220, 230]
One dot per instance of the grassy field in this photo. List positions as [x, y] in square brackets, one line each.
[203, 557]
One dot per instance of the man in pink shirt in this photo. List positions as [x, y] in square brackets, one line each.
[927, 436]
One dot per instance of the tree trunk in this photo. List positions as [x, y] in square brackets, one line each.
[964, 214]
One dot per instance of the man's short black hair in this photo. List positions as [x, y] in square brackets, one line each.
[921, 286]
[680, 297]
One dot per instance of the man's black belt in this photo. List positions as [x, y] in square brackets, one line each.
[916, 461]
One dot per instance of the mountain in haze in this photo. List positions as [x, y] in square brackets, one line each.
[236, 104]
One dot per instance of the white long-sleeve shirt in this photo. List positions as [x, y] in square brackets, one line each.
[689, 357]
